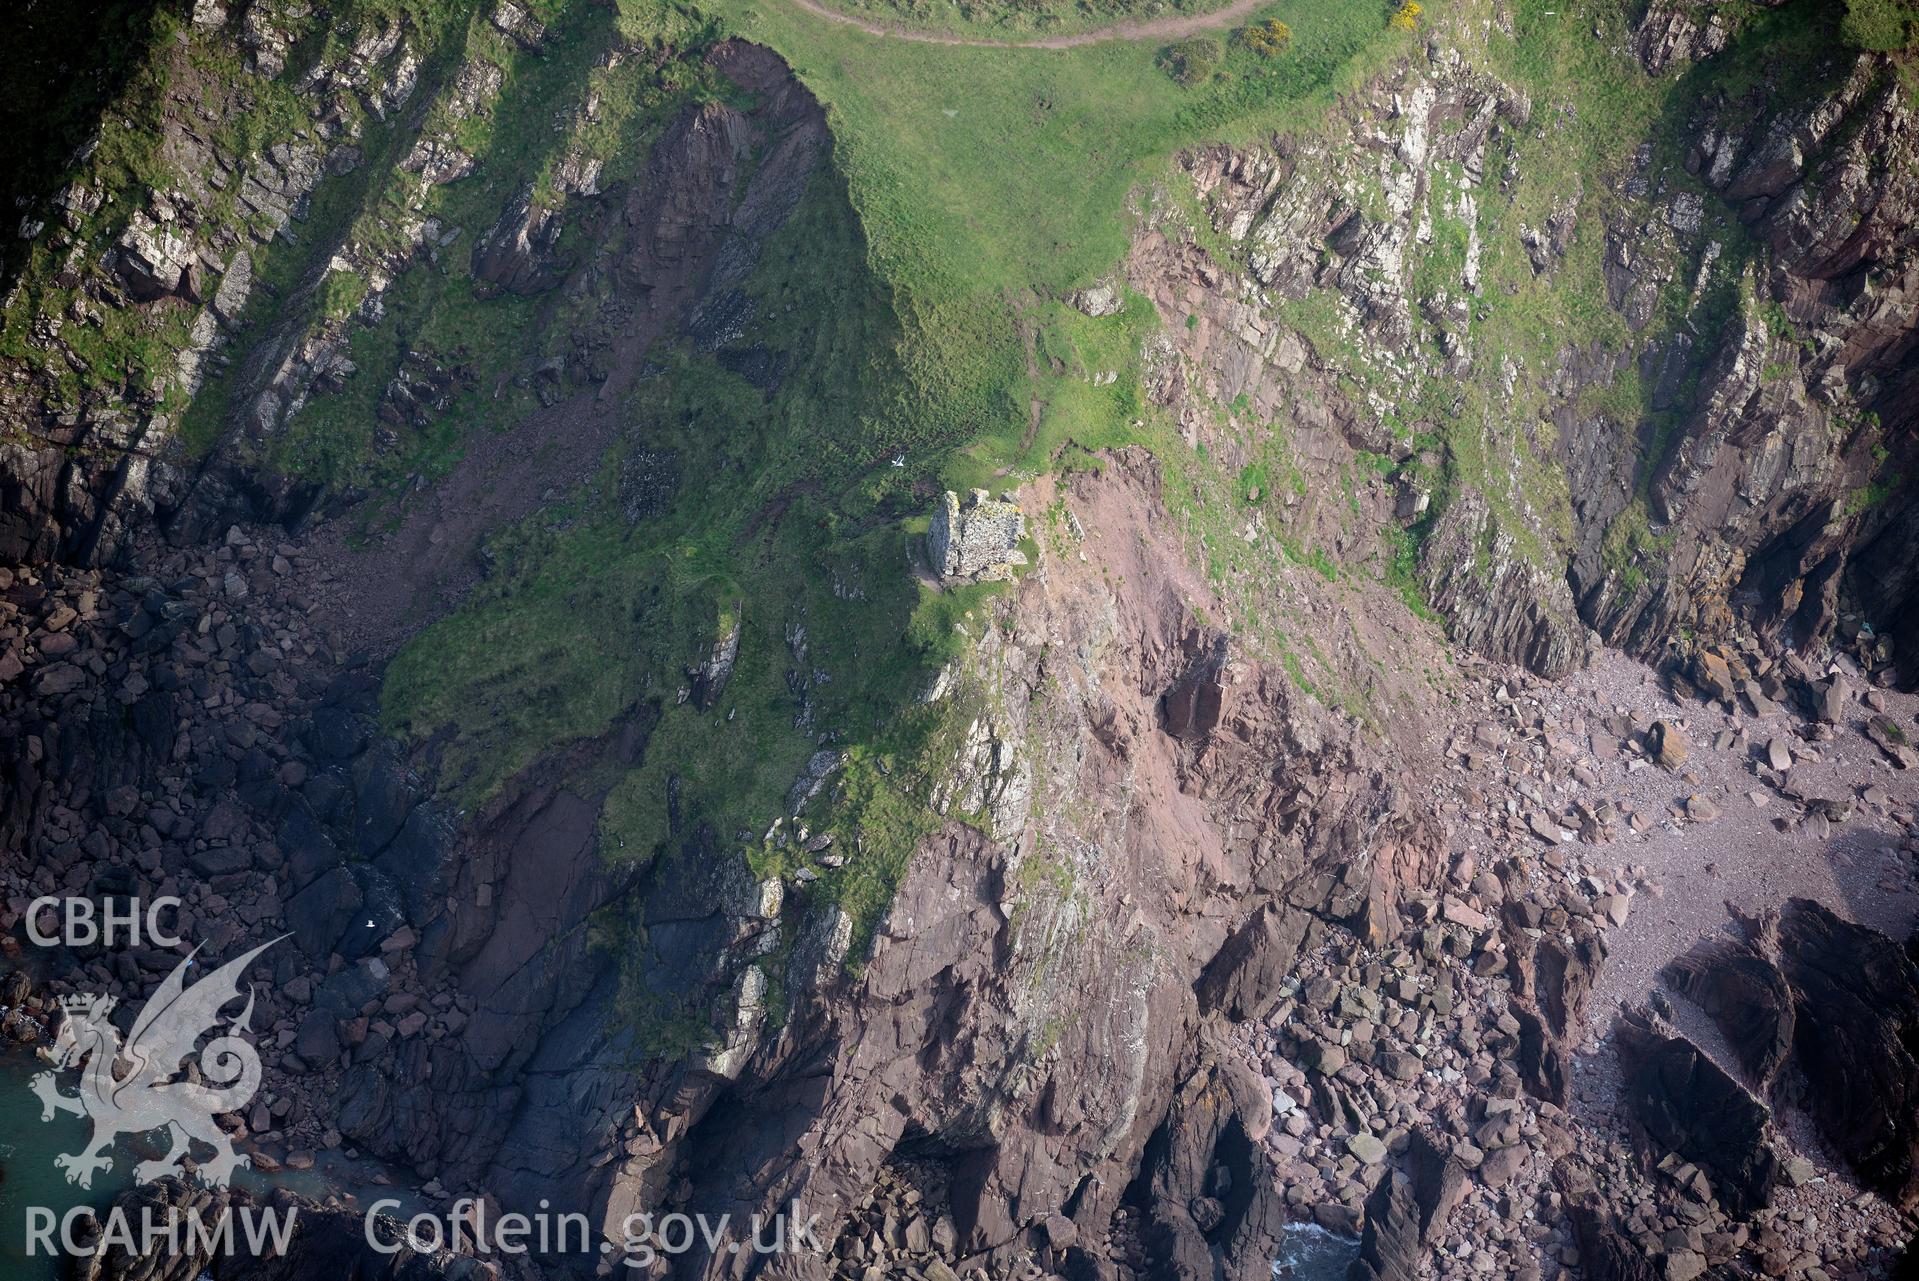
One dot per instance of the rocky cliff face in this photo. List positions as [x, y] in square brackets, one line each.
[1778, 483]
[1699, 411]
[1160, 826]
[181, 689]
[1327, 240]
[134, 291]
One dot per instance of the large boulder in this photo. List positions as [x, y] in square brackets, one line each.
[1243, 980]
[1690, 1107]
[321, 913]
[154, 261]
[1552, 979]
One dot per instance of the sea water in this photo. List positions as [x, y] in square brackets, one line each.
[1309, 1252]
[29, 1178]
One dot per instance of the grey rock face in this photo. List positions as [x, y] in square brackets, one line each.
[1674, 33]
[1098, 300]
[154, 261]
[977, 541]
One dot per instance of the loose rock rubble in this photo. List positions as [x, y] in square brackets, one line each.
[1476, 1034]
[209, 677]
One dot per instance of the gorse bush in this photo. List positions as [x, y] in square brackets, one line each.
[1267, 39]
[1406, 17]
[1191, 62]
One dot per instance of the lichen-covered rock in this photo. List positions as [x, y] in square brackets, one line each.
[1674, 32]
[155, 261]
[978, 541]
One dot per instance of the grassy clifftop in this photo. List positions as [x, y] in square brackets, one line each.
[985, 177]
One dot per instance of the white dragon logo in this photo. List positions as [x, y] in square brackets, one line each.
[132, 1089]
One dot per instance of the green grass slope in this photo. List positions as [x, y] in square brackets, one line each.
[984, 177]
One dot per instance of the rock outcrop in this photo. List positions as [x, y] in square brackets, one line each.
[1211, 1194]
[1406, 1214]
[977, 540]
[1552, 978]
[1690, 1108]
[1840, 1002]
[1605, 1253]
